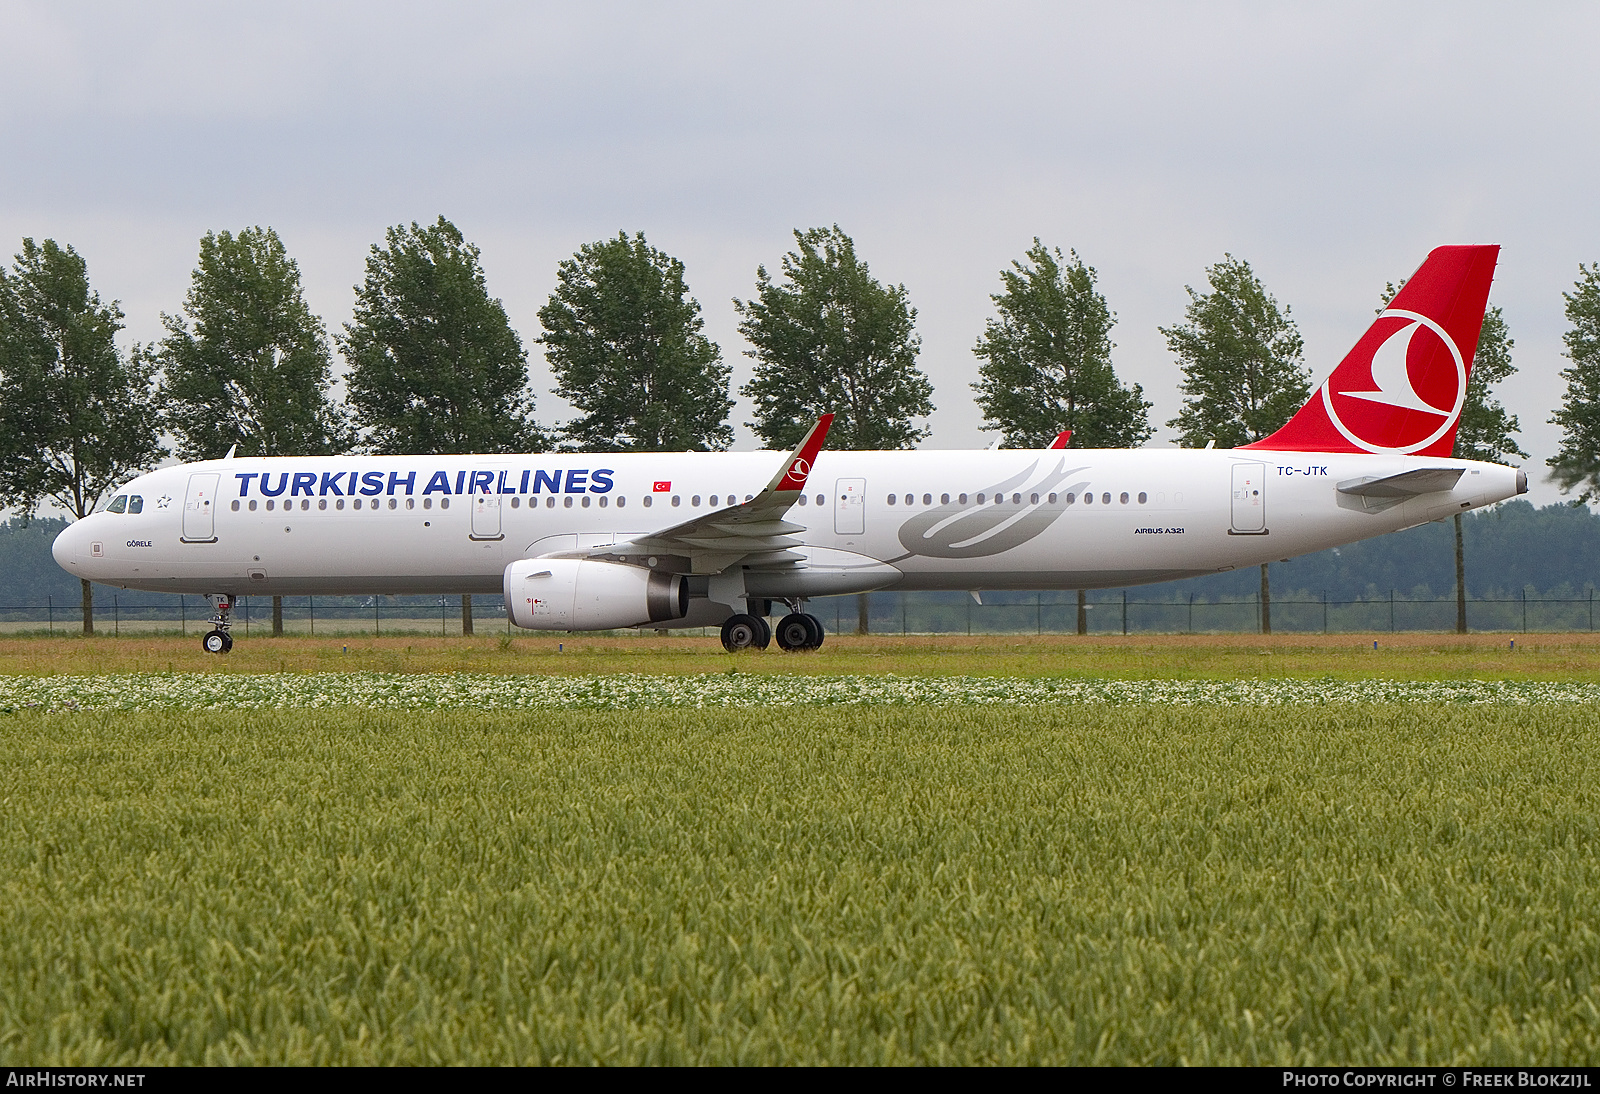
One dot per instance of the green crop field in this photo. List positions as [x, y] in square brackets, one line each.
[1394, 882]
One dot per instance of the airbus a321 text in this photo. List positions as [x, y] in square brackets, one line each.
[595, 542]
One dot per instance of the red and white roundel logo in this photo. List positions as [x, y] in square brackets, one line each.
[800, 468]
[1413, 389]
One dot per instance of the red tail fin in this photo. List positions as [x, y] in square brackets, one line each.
[1401, 389]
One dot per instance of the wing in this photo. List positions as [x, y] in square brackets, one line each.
[1407, 484]
[753, 533]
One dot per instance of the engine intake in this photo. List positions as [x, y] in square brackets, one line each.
[580, 594]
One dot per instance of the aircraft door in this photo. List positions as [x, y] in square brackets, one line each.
[199, 508]
[1249, 499]
[484, 494]
[850, 507]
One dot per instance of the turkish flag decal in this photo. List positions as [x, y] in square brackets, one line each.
[662, 487]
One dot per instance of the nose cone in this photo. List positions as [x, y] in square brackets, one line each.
[65, 548]
[1522, 481]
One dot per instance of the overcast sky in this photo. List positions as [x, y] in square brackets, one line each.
[1331, 146]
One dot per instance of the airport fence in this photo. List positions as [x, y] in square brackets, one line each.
[1106, 612]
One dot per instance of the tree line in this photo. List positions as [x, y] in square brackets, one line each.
[432, 364]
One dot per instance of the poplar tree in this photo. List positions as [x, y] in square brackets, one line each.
[77, 416]
[1047, 360]
[830, 338]
[247, 364]
[434, 364]
[624, 339]
[1576, 464]
[827, 338]
[1243, 369]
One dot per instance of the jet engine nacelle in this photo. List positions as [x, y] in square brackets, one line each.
[580, 594]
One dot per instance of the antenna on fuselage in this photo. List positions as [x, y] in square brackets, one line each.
[232, 448]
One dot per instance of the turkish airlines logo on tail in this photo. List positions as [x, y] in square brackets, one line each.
[1412, 395]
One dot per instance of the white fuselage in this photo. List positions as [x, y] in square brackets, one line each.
[1005, 519]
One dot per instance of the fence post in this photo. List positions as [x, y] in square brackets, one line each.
[1038, 613]
[1524, 609]
[1591, 608]
[375, 609]
[1124, 613]
[1391, 611]
[969, 615]
[183, 615]
[50, 606]
[1324, 611]
[311, 606]
[1191, 613]
[116, 616]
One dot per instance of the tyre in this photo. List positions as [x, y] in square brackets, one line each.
[817, 633]
[764, 639]
[793, 634]
[741, 632]
[227, 641]
[215, 642]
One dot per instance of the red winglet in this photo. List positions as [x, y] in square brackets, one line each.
[1061, 439]
[804, 455]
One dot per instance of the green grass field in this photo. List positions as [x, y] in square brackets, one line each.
[1380, 883]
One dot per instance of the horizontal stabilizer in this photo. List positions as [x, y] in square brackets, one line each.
[1407, 484]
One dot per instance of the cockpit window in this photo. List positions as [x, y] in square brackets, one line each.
[135, 503]
[119, 504]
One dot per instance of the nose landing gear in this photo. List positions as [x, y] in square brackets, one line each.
[218, 640]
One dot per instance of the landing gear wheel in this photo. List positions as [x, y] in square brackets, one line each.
[765, 639]
[741, 632]
[216, 642]
[817, 632]
[227, 642]
[794, 634]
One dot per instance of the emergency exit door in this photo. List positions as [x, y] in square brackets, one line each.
[1249, 499]
[485, 499]
[850, 507]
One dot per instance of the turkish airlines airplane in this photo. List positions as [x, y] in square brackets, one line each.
[601, 541]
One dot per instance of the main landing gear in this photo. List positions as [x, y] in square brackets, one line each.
[796, 632]
[217, 639]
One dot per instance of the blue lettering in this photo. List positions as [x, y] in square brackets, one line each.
[461, 478]
[504, 489]
[283, 484]
[602, 481]
[395, 480]
[372, 483]
[546, 478]
[439, 484]
[330, 483]
[351, 489]
[481, 481]
[575, 481]
[304, 481]
[244, 483]
[524, 489]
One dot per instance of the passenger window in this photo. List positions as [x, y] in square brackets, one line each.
[1088, 499]
[1033, 499]
[252, 505]
[910, 500]
[427, 503]
[270, 505]
[136, 503]
[752, 497]
[944, 499]
[322, 503]
[891, 499]
[713, 501]
[1071, 498]
[1016, 499]
[394, 503]
[356, 504]
[411, 503]
[305, 504]
[802, 499]
[338, 504]
[444, 503]
[980, 499]
[567, 501]
[235, 505]
[1124, 497]
[695, 501]
[820, 499]
[549, 503]
[602, 501]
[927, 499]
[676, 501]
[963, 499]
[1052, 499]
[1143, 497]
[119, 504]
[586, 501]
[647, 501]
[1105, 499]
[622, 499]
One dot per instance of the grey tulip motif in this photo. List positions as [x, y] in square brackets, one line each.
[973, 531]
